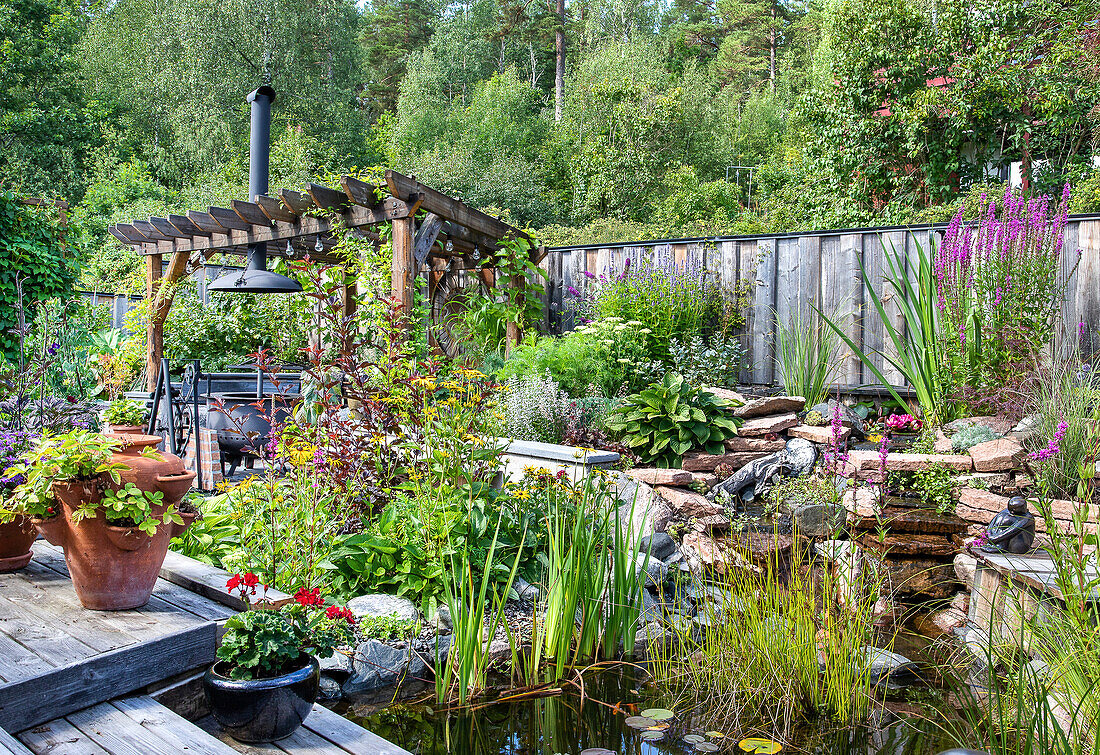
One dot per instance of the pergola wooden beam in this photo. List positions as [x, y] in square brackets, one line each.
[186, 227]
[449, 208]
[329, 199]
[228, 219]
[274, 209]
[250, 213]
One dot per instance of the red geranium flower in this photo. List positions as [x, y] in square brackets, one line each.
[337, 612]
[309, 597]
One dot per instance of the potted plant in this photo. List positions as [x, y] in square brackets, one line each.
[267, 676]
[125, 417]
[17, 533]
[903, 429]
[112, 504]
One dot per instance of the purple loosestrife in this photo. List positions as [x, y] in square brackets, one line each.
[1054, 445]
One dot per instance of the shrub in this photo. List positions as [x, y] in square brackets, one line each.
[533, 409]
[124, 411]
[715, 361]
[670, 418]
[970, 436]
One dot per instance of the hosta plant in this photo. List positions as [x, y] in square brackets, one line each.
[670, 418]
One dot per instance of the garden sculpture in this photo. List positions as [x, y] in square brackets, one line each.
[1012, 530]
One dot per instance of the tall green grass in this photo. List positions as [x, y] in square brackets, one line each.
[807, 356]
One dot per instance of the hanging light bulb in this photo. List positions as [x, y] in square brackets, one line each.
[319, 246]
[477, 252]
[449, 246]
[289, 250]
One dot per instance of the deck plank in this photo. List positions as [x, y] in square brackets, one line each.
[16, 661]
[60, 738]
[119, 734]
[70, 688]
[305, 742]
[38, 629]
[9, 745]
[153, 716]
[350, 736]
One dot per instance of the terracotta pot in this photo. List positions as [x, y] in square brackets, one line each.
[16, 537]
[125, 430]
[115, 568]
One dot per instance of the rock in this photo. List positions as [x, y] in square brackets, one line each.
[942, 444]
[688, 504]
[920, 576]
[766, 548]
[525, 590]
[761, 407]
[886, 667]
[441, 649]
[965, 566]
[1027, 427]
[337, 664]
[376, 665]
[697, 461]
[861, 503]
[703, 479]
[651, 610]
[499, 651]
[833, 550]
[675, 477]
[712, 522]
[869, 461]
[821, 435]
[658, 545]
[907, 544]
[997, 455]
[998, 424]
[329, 689]
[984, 480]
[848, 417]
[641, 510]
[759, 426]
[441, 619]
[819, 520]
[379, 605]
[980, 506]
[652, 632]
[705, 551]
[800, 457]
[749, 445]
[655, 570]
[924, 521]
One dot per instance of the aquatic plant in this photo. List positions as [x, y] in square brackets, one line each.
[807, 357]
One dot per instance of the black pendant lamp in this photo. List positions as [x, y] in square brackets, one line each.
[256, 278]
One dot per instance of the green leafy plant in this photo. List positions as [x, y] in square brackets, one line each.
[807, 356]
[715, 361]
[124, 411]
[129, 506]
[263, 642]
[75, 455]
[935, 485]
[970, 436]
[387, 628]
[670, 418]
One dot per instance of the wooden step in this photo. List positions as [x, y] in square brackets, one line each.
[323, 732]
[9, 745]
[136, 725]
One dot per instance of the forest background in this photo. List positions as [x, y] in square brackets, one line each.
[586, 120]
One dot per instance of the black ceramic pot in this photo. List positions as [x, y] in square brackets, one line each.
[261, 710]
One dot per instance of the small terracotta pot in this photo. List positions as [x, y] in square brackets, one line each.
[16, 538]
[115, 568]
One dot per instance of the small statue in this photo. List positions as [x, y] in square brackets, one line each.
[1012, 530]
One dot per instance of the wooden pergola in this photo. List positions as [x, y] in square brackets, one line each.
[432, 232]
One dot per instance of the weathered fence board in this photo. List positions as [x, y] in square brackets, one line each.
[795, 273]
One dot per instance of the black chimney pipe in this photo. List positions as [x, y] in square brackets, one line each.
[256, 278]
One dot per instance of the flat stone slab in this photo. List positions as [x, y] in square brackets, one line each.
[997, 455]
[908, 544]
[653, 476]
[688, 504]
[761, 407]
[771, 425]
[919, 521]
[755, 445]
[815, 434]
[868, 461]
[980, 506]
[697, 461]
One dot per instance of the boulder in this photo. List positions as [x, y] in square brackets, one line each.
[659, 545]
[997, 455]
[820, 435]
[818, 520]
[641, 510]
[337, 664]
[771, 425]
[441, 619]
[761, 407]
[697, 461]
[329, 689]
[848, 417]
[885, 667]
[376, 664]
[441, 649]
[728, 395]
[920, 576]
[907, 544]
[869, 461]
[688, 504]
[942, 444]
[758, 445]
[651, 610]
[525, 590]
[861, 503]
[651, 476]
[703, 551]
[652, 632]
[379, 605]
[980, 506]
[654, 568]
[703, 480]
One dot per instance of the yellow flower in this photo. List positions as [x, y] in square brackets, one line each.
[523, 495]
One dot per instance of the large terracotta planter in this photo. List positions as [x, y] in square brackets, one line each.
[125, 430]
[115, 568]
[15, 544]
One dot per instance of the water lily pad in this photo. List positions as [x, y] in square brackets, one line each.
[760, 746]
[715, 734]
[706, 747]
[657, 727]
[640, 722]
[660, 714]
[653, 736]
[694, 739]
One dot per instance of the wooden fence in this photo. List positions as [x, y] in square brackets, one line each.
[789, 273]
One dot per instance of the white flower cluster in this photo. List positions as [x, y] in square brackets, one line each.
[534, 408]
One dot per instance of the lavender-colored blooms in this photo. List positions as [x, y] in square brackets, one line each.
[1054, 445]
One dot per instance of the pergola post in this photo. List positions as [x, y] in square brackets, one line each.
[154, 329]
[403, 267]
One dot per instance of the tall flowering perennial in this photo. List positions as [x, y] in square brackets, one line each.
[999, 286]
[1054, 445]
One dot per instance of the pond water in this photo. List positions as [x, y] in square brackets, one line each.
[565, 724]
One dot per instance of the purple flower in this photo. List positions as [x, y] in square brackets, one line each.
[53, 348]
[1054, 446]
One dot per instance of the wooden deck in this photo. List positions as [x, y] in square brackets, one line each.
[72, 681]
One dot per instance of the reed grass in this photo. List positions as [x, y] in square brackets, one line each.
[807, 356]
